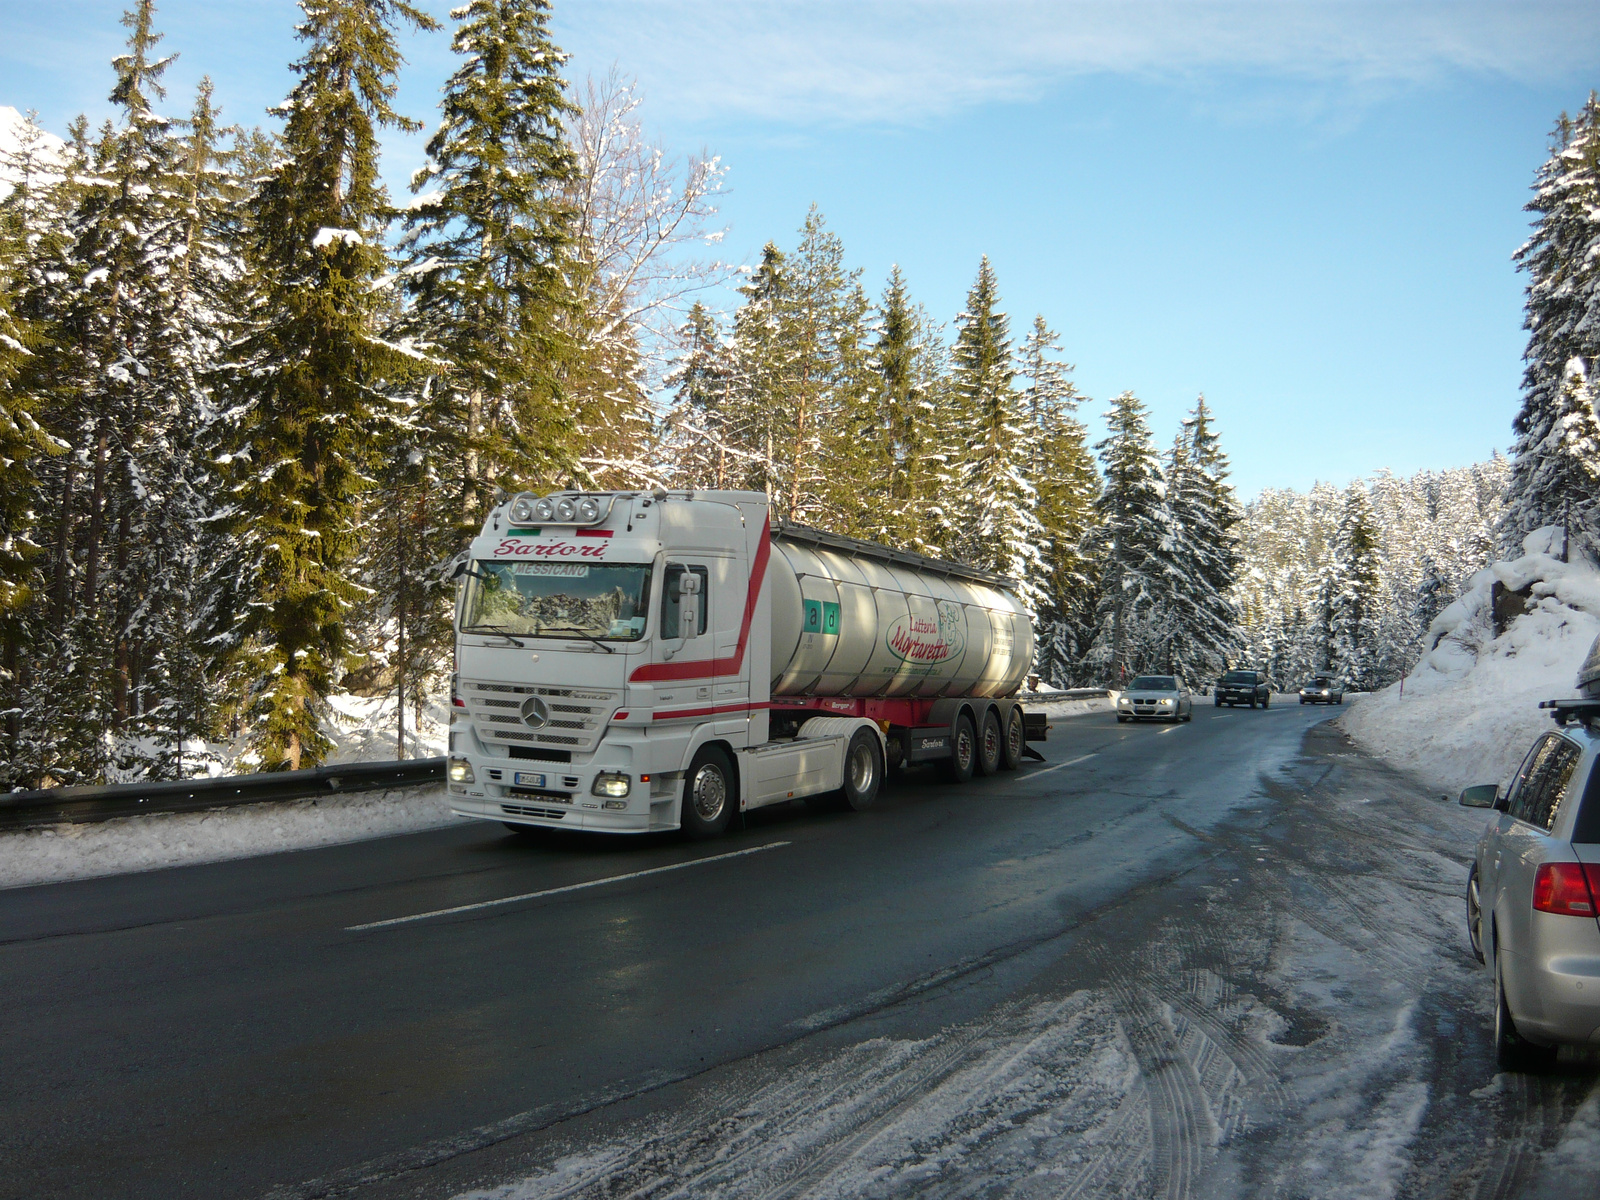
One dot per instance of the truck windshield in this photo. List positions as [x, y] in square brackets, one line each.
[599, 600]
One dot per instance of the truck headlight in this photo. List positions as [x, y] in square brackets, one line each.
[460, 771]
[612, 783]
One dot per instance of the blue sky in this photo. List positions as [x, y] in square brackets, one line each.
[1305, 210]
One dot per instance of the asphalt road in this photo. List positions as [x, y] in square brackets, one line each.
[1178, 896]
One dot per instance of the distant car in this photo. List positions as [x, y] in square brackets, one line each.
[1243, 687]
[1157, 697]
[1533, 895]
[1323, 689]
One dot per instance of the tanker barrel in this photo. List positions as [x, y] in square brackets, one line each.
[851, 618]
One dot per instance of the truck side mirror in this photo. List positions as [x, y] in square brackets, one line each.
[1481, 795]
[688, 605]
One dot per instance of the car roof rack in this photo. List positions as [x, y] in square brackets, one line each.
[1565, 712]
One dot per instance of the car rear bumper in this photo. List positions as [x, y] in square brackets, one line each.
[1555, 998]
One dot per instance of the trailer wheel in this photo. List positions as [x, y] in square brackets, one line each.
[963, 751]
[708, 794]
[1016, 739]
[991, 745]
[863, 772]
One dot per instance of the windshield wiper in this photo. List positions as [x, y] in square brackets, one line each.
[579, 632]
[494, 631]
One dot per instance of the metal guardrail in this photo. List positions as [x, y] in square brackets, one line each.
[1070, 694]
[75, 805]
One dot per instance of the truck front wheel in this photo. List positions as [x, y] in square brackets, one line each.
[708, 794]
[963, 751]
[863, 771]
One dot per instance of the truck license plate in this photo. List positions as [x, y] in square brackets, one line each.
[529, 779]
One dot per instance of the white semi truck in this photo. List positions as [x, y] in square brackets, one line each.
[638, 661]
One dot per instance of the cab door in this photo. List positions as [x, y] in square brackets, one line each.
[686, 592]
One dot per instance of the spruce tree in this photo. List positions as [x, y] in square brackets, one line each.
[762, 366]
[826, 323]
[888, 456]
[699, 441]
[1355, 598]
[1555, 473]
[1063, 475]
[488, 241]
[1132, 539]
[1203, 619]
[314, 373]
[1000, 529]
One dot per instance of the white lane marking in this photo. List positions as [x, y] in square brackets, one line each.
[571, 887]
[1169, 728]
[1071, 762]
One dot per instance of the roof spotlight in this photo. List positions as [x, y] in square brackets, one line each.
[522, 509]
[566, 509]
[588, 509]
[544, 510]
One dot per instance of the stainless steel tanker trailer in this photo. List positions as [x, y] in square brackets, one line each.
[636, 661]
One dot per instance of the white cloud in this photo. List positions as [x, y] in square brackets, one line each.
[909, 60]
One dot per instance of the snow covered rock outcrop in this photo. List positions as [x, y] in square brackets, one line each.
[1470, 707]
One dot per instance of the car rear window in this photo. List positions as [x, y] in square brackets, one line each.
[1587, 827]
[1538, 800]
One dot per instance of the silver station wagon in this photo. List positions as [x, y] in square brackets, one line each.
[1533, 892]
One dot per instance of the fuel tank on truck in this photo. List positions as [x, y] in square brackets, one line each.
[853, 619]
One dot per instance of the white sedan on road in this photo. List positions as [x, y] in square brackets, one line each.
[1156, 697]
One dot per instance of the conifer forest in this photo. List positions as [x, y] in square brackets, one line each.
[252, 406]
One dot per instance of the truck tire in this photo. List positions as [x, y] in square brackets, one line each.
[991, 745]
[1016, 739]
[963, 751]
[863, 772]
[709, 795]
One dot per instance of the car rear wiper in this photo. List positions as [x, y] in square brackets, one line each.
[579, 632]
[494, 631]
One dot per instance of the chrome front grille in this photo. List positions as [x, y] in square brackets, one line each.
[574, 719]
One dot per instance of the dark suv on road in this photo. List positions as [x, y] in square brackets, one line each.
[1243, 687]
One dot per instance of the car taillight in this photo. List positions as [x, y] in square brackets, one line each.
[1566, 888]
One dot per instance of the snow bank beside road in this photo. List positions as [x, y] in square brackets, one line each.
[63, 852]
[1471, 705]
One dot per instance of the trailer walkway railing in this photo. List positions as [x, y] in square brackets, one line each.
[73, 805]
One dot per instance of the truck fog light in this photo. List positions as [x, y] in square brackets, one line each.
[612, 783]
[460, 771]
[615, 804]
